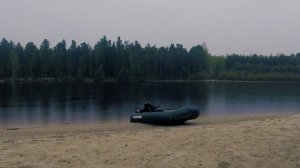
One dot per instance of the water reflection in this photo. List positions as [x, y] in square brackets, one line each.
[248, 98]
[47, 103]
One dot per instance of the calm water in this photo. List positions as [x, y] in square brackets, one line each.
[48, 103]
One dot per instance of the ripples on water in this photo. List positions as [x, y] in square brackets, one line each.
[75, 102]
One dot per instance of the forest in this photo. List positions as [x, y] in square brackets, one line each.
[118, 60]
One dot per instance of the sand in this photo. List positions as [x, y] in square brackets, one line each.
[257, 141]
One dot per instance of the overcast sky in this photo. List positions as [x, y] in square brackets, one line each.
[226, 26]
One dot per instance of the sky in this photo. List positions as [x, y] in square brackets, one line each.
[226, 26]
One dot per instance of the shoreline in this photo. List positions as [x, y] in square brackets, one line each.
[125, 121]
[241, 141]
[91, 80]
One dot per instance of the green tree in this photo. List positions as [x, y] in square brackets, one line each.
[84, 60]
[60, 59]
[73, 60]
[198, 59]
[5, 49]
[44, 55]
[13, 63]
[31, 61]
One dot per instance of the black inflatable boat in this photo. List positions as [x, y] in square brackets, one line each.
[172, 116]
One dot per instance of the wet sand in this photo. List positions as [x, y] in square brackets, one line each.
[257, 141]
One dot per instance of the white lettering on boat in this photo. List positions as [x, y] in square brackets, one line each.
[137, 116]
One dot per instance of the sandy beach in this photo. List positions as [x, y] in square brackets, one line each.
[256, 141]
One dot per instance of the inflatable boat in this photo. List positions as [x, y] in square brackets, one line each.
[169, 116]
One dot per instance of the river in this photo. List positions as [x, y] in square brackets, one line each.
[78, 102]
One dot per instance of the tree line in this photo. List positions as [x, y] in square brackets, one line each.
[130, 61]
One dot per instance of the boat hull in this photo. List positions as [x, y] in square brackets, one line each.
[175, 116]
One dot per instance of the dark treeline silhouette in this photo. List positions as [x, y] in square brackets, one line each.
[130, 61]
[276, 68]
